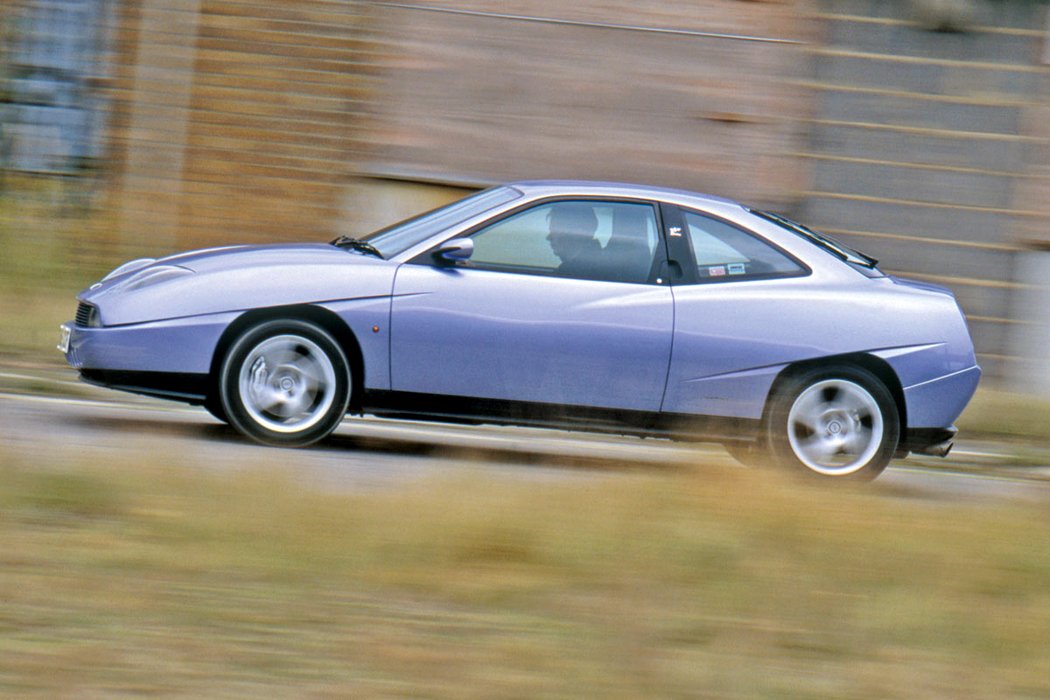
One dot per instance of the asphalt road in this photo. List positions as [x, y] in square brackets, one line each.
[369, 453]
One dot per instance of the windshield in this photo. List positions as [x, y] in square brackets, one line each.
[401, 236]
[839, 250]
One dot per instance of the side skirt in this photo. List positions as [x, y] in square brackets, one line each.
[193, 389]
[457, 409]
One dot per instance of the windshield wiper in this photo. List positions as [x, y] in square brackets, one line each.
[356, 244]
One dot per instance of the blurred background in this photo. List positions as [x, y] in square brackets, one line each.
[914, 130]
[146, 551]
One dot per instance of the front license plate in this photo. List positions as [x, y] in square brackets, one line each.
[63, 341]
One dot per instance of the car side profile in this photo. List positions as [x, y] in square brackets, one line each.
[589, 306]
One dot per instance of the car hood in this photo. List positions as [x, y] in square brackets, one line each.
[235, 278]
[233, 257]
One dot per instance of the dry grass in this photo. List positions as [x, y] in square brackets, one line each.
[149, 577]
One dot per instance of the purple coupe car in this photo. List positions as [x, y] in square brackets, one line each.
[592, 306]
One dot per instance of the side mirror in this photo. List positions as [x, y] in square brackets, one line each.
[455, 250]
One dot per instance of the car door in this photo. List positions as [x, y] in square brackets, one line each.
[734, 306]
[560, 303]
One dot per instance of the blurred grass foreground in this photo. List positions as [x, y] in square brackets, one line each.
[141, 577]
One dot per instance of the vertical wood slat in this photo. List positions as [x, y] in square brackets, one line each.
[231, 116]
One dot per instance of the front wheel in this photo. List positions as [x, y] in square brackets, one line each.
[285, 383]
[838, 421]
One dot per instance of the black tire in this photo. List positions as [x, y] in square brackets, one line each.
[839, 421]
[285, 382]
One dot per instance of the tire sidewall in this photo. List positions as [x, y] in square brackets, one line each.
[229, 383]
[776, 428]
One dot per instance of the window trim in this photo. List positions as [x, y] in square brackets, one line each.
[660, 255]
[691, 273]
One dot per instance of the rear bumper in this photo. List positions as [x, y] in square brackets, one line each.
[940, 401]
[936, 442]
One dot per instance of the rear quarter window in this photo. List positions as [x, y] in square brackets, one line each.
[723, 252]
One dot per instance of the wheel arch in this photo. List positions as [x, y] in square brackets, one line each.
[876, 365]
[328, 320]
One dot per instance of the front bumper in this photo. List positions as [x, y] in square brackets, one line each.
[166, 359]
[179, 346]
[190, 388]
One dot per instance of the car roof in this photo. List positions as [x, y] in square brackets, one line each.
[589, 188]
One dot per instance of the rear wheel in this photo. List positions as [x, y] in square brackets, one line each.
[839, 421]
[285, 382]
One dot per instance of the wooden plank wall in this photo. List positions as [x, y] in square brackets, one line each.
[474, 95]
[928, 150]
[248, 120]
[240, 116]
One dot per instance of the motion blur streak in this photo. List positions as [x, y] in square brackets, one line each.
[208, 567]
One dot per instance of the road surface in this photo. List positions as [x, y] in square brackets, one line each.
[371, 452]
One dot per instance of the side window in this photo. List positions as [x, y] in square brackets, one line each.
[594, 240]
[724, 252]
[518, 243]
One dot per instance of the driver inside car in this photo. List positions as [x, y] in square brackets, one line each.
[572, 227]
